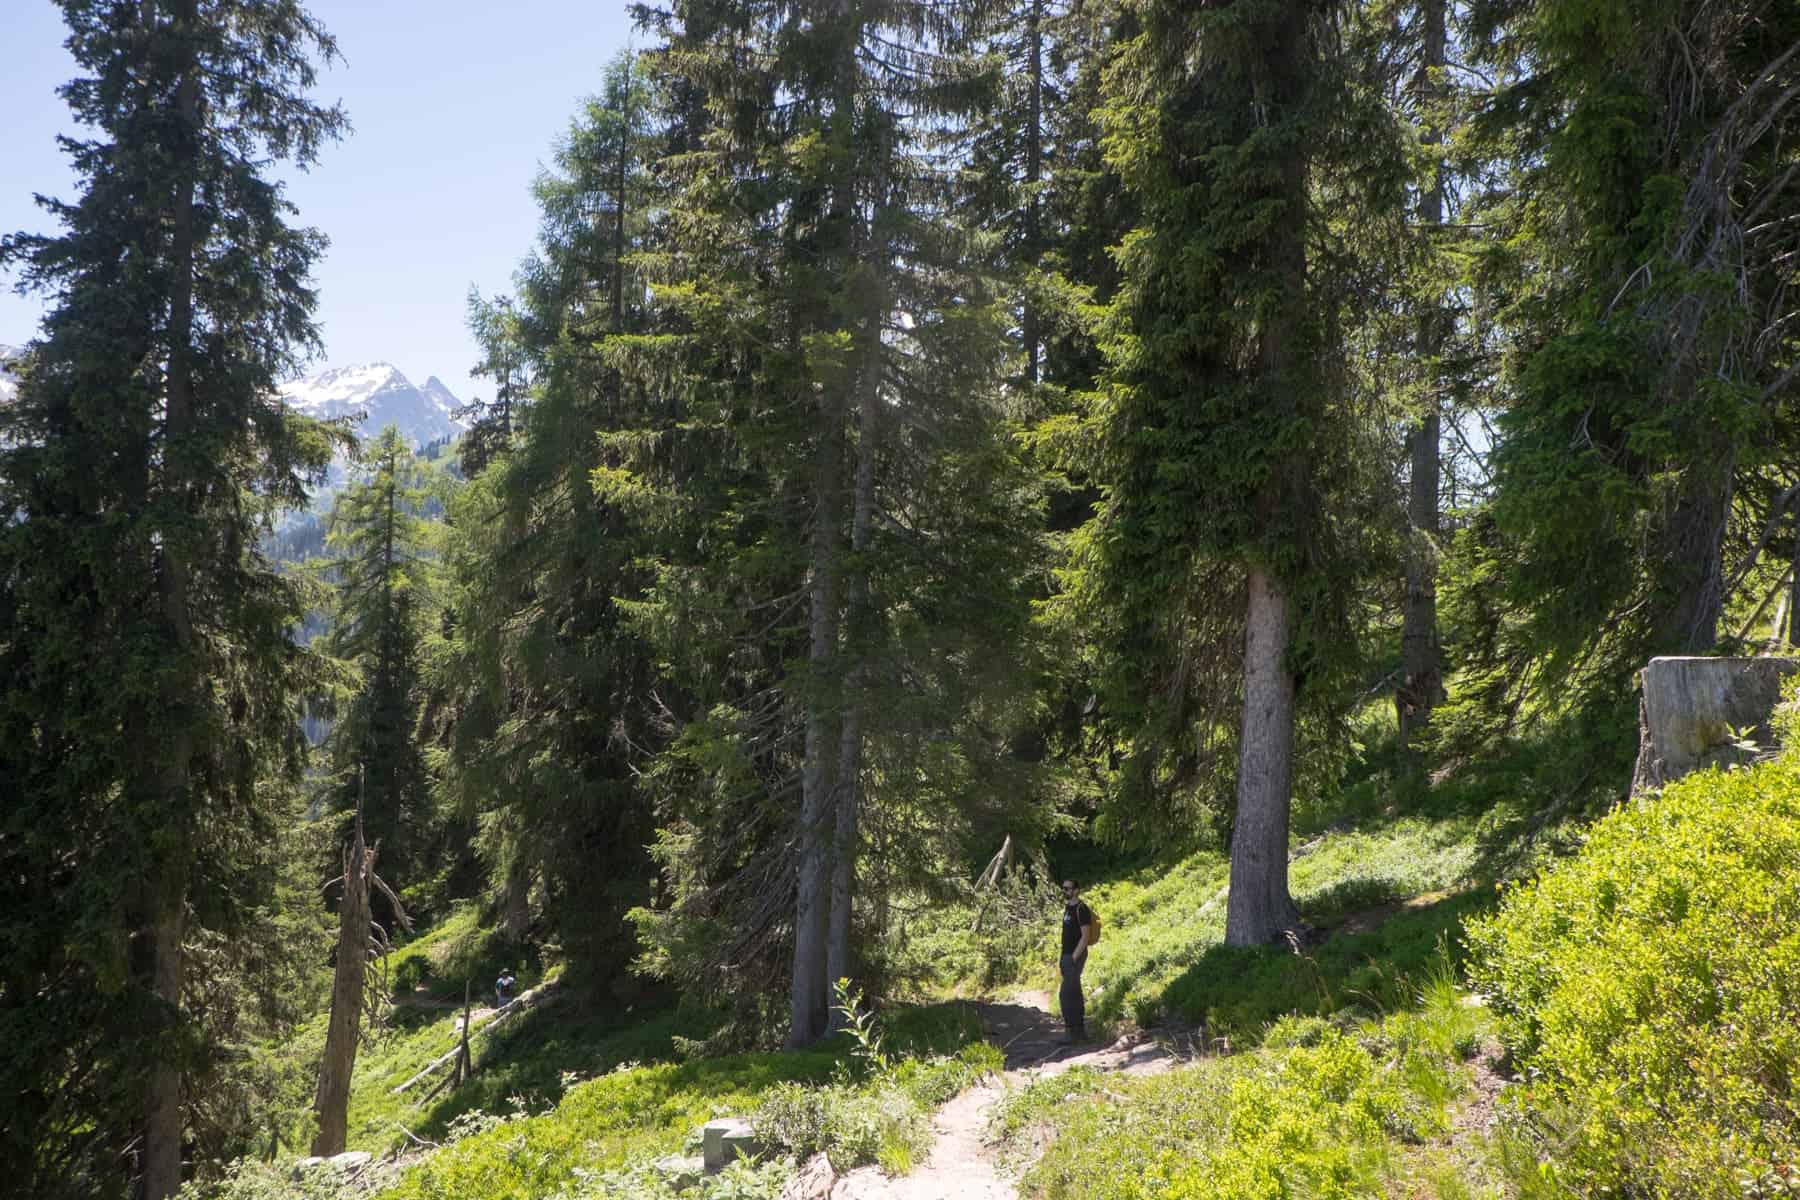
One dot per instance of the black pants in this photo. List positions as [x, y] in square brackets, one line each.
[1074, 1006]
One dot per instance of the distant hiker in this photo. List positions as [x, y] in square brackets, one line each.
[503, 989]
[1078, 926]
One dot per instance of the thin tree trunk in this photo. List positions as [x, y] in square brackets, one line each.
[809, 996]
[1259, 909]
[331, 1102]
[162, 1102]
[1793, 612]
[1034, 173]
[1693, 554]
[464, 1064]
[850, 736]
[1422, 686]
[163, 1111]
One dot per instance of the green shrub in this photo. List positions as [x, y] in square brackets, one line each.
[885, 1120]
[1650, 989]
[646, 1180]
[246, 1179]
[1318, 1120]
[601, 1125]
[1038, 1102]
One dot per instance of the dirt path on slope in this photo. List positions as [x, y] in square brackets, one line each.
[961, 1165]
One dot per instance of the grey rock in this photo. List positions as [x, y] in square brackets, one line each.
[302, 1166]
[726, 1139]
[351, 1160]
[1690, 708]
[813, 1182]
[680, 1171]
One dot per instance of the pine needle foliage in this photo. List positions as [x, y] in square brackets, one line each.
[148, 694]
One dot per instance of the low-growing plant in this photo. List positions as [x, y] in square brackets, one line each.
[884, 1118]
[247, 1179]
[1650, 990]
[852, 1125]
[1319, 1120]
[744, 1179]
[1036, 1104]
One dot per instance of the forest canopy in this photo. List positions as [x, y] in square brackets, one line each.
[928, 440]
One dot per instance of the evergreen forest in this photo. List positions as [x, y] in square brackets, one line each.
[1237, 457]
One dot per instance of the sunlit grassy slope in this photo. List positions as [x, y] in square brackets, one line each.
[1385, 870]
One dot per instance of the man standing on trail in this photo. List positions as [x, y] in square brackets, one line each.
[503, 988]
[1077, 930]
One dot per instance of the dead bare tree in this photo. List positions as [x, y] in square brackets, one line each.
[360, 939]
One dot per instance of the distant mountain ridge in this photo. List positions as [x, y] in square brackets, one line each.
[378, 391]
[384, 396]
[9, 383]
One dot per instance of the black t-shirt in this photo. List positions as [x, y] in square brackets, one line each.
[1075, 916]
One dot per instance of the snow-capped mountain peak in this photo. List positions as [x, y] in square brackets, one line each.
[381, 396]
[9, 384]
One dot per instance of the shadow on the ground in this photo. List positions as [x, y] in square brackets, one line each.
[1030, 1037]
[1378, 963]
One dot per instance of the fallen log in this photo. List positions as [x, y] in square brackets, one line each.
[515, 1005]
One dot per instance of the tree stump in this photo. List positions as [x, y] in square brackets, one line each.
[1698, 712]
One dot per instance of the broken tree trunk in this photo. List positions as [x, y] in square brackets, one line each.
[1701, 712]
[332, 1102]
[356, 939]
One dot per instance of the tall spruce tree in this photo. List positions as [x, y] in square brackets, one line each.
[1421, 686]
[383, 560]
[828, 336]
[1231, 457]
[151, 677]
[1641, 270]
[545, 705]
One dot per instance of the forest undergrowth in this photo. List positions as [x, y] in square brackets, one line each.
[1363, 1033]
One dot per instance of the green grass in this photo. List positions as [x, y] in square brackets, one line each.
[533, 1056]
[1388, 865]
[1320, 1111]
[639, 1112]
[1162, 953]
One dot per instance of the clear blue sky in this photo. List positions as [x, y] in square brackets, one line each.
[455, 105]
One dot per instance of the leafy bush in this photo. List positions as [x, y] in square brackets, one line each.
[1037, 1103]
[852, 1125]
[646, 1180]
[247, 1179]
[1650, 988]
[1324, 1119]
[601, 1125]
[886, 1118]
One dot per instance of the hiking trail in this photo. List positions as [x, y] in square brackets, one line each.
[961, 1166]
